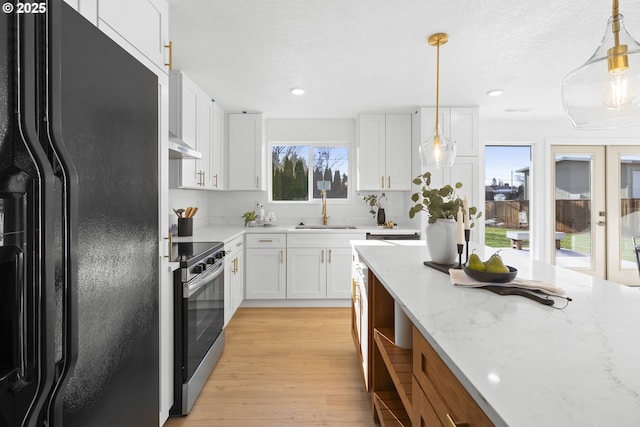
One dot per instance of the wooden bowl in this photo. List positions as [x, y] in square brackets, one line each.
[484, 276]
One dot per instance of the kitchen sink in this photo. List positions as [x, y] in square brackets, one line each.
[325, 227]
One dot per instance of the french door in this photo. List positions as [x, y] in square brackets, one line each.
[596, 206]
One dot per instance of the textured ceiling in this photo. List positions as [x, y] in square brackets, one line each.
[355, 56]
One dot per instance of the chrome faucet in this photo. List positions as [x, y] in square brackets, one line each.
[324, 207]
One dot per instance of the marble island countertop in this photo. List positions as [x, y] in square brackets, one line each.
[526, 364]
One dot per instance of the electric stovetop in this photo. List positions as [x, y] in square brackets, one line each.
[190, 253]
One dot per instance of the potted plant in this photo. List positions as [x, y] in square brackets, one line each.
[442, 205]
[249, 217]
[375, 201]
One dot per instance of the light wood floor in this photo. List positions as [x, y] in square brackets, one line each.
[285, 367]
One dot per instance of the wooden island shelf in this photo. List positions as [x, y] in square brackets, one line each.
[394, 407]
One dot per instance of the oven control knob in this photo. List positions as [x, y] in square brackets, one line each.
[220, 255]
[199, 268]
[211, 260]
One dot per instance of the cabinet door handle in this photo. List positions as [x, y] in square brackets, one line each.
[382, 181]
[258, 182]
[215, 184]
[281, 256]
[170, 47]
[170, 239]
[452, 423]
[330, 256]
[322, 261]
[389, 182]
[265, 240]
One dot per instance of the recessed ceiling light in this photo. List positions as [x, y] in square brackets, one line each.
[297, 91]
[495, 92]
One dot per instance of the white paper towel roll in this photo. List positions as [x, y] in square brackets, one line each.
[403, 328]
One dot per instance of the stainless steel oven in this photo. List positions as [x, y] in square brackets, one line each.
[199, 318]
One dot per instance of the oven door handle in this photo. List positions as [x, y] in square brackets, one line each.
[200, 281]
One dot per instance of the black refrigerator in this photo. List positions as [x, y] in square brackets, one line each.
[79, 263]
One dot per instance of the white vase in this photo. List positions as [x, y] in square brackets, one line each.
[441, 239]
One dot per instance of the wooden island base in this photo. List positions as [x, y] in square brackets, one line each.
[412, 387]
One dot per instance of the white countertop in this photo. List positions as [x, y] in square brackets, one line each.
[526, 364]
[222, 233]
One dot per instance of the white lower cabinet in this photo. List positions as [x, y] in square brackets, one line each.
[266, 266]
[319, 265]
[233, 276]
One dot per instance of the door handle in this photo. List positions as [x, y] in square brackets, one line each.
[601, 223]
[170, 246]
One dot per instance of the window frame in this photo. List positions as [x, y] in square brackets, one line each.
[311, 145]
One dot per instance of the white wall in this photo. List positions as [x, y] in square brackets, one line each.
[228, 206]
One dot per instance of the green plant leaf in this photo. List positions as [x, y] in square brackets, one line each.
[415, 197]
[458, 185]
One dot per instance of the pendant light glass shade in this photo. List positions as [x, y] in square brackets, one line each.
[437, 151]
[604, 93]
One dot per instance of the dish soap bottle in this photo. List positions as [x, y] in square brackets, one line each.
[261, 214]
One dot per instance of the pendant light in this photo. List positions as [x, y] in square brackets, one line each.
[604, 92]
[437, 151]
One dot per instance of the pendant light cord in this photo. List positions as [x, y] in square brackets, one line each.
[616, 23]
[437, 81]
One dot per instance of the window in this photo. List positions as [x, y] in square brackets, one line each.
[299, 172]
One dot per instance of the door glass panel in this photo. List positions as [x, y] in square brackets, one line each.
[507, 187]
[629, 208]
[573, 233]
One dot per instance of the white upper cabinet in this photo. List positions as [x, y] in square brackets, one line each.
[384, 152]
[143, 24]
[141, 27]
[245, 152]
[192, 120]
[458, 124]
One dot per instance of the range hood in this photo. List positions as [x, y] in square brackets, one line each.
[179, 150]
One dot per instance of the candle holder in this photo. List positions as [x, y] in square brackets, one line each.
[467, 236]
[460, 250]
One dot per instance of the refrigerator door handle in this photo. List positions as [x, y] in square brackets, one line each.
[40, 307]
[68, 176]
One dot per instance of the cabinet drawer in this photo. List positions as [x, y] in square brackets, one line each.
[423, 413]
[266, 240]
[319, 240]
[451, 402]
[234, 246]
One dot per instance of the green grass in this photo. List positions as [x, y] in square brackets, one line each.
[497, 237]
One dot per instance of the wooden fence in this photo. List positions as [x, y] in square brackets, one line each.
[572, 216]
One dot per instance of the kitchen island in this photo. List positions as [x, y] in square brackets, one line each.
[523, 363]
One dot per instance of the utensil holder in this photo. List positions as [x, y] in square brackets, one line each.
[185, 226]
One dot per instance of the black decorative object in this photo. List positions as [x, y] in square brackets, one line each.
[381, 216]
[467, 236]
[485, 276]
[440, 267]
